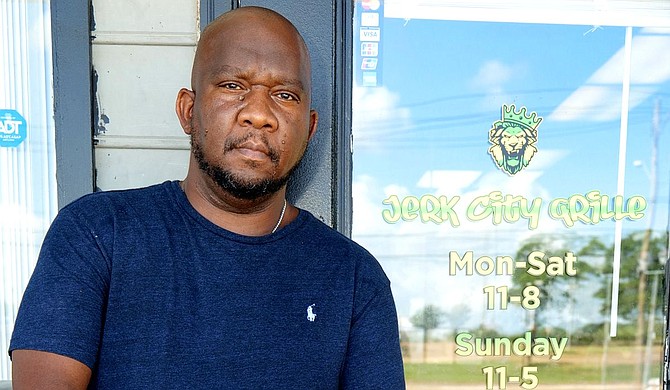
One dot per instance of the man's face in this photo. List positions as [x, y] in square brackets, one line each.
[251, 120]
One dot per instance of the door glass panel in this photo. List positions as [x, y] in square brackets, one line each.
[511, 174]
[28, 198]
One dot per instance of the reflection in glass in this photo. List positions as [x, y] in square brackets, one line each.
[27, 152]
[515, 268]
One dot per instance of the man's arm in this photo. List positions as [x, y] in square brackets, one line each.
[35, 370]
[373, 359]
[56, 335]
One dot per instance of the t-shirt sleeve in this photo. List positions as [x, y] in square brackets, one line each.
[63, 306]
[373, 359]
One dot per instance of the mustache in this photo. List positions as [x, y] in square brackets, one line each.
[236, 142]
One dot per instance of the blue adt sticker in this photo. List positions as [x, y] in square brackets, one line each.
[13, 128]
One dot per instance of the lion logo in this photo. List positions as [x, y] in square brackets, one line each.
[513, 138]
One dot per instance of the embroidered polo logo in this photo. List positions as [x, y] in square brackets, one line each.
[311, 316]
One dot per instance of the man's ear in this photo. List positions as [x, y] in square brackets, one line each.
[184, 108]
[313, 122]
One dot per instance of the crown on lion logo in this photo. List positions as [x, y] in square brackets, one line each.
[509, 114]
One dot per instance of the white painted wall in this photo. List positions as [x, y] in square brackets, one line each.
[142, 51]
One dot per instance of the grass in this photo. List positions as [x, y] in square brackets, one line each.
[548, 373]
[580, 364]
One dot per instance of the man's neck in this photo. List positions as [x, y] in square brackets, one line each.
[255, 217]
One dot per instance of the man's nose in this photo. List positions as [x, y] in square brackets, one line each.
[256, 111]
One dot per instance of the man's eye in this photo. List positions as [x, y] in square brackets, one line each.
[231, 86]
[286, 96]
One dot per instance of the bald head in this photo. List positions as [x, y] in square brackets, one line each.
[265, 31]
[254, 15]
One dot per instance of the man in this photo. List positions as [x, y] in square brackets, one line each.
[214, 282]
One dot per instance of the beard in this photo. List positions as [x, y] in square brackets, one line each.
[235, 185]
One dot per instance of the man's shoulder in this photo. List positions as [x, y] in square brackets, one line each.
[339, 247]
[106, 199]
[321, 232]
[113, 207]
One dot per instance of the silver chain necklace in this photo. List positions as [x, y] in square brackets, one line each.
[281, 217]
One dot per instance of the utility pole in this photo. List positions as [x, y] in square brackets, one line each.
[643, 260]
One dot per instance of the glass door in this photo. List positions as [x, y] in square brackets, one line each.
[28, 197]
[511, 174]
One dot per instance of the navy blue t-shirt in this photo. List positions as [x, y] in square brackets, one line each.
[149, 294]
